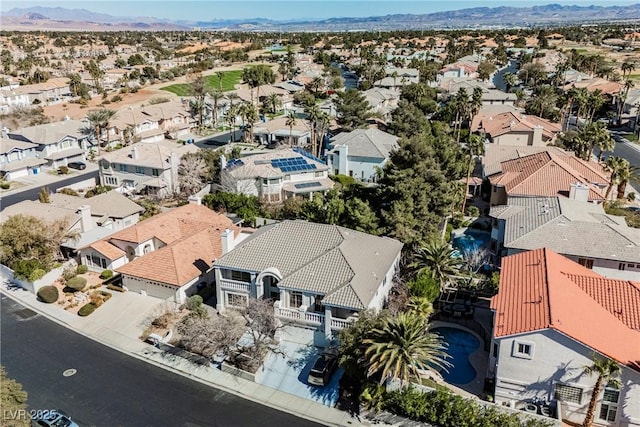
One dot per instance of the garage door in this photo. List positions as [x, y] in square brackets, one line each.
[152, 289]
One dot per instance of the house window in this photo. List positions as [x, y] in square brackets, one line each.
[609, 407]
[318, 174]
[586, 262]
[139, 170]
[523, 349]
[621, 266]
[240, 276]
[111, 180]
[236, 300]
[295, 299]
[155, 172]
[567, 393]
[317, 304]
[122, 168]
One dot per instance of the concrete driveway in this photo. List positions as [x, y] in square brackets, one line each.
[288, 372]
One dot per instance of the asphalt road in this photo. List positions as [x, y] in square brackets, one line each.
[32, 193]
[110, 388]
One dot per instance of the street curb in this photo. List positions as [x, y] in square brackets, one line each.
[169, 368]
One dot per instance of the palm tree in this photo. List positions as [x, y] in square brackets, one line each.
[475, 147]
[595, 100]
[313, 114]
[615, 165]
[291, 122]
[627, 67]
[272, 103]
[100, 120]
[599, 136]
[75, 83]
[622, 99]
[216, 97]
[509, 80]
[626, 173]
[197, 106]
[220, 75]
[232, 112]
[437, 258]
[607, 371]
[401, 347]
[461, 103]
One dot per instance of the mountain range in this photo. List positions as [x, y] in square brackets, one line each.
[58, 18]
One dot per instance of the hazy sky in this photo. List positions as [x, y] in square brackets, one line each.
[282, 10]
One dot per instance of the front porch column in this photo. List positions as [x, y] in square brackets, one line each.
[219, 295]
[284, 298]
[327, 323]
[258, 287]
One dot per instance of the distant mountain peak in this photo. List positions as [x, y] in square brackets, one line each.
[34, 16]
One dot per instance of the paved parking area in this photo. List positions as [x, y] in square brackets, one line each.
[289, 372]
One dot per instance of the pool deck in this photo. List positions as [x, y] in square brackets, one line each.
[479, 359]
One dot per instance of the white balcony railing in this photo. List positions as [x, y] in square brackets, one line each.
[302, 316]
[340, 323]
[234, 285]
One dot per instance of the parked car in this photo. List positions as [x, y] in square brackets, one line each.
[323, 369]
[54, 418]
[77, 165]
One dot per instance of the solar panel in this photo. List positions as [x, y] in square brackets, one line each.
[308, 185]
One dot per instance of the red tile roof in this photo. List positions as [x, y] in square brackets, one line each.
[173, 225]
[550, 174]
[107, 249]
[541, 289]
[503, 123]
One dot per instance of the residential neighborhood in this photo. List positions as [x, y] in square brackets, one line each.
[418, 227]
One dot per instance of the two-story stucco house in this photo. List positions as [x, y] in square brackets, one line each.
[58, 143]
[319, 276]
[514, 128]
[276, 175]
[580, 231]
[150, 168]
[361, 153]
[18, 159]
[168, 255]
[552, 317]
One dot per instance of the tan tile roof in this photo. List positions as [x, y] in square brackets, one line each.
[112, 204]
[150, 154]
[543, 290]
[550, 174]
[107, 249]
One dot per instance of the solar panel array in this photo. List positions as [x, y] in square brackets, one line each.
[307, 154]
[308, 185]
[293, 164]
[234, 163]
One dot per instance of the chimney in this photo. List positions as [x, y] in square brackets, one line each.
[86, 222]
[579, 192]
[134, 153]
[228, 242]
[195, 200]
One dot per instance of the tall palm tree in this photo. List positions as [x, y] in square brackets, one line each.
[598, 135]
[313, 114]
[595, 100]
[615, 165]
[627, 67]
[401, 347]
[607, 371]
[216, 97]
[622, 99]
[509, 80]
[625, 174]
[461, 103]
[232, 112]
[272, 103]
[220, 76]
[437, 258]
[100, 120]
[291, 122]
[197, 108]
[475, 147]
[75, 83]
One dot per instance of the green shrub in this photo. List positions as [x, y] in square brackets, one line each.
[28, 269]
[473, 211]
[69, 273]
[424, 286]
[5, 185]
[64, 170]
[86, 310]
[82, 269]
[116, 98]
[115, 288]
[106, 274]
[68, 191]
[48, 294]
[77, 283]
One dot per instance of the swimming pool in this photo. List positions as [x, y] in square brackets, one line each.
[460, 344]
[469, 242]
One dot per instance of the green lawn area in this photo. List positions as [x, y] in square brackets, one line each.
[229, 80]
[631, 137]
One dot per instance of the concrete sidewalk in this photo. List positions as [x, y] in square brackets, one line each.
[110, 328]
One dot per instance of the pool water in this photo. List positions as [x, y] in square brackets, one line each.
[460, 344]
[469, 243]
